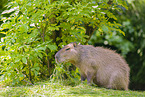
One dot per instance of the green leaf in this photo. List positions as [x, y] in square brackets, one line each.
[37, 68]
[17, 59]
[21, 76]
[52, 47]
[24, 60]
[105, 28]
[23, 28]
[40, 55]
[11, 64]
[36, 65]
[36, 73]
[41, 48]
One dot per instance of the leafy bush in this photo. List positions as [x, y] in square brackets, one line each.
[35, 29]
[133, 24]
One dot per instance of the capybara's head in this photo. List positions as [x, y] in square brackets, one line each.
[67, 54]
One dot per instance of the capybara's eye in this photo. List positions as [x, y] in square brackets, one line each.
[67, 49]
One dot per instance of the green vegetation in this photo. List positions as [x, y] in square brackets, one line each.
[47, 89]
[135, 33]
[32, 31]
[36, 29]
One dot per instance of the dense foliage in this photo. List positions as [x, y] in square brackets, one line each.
[133, 22]
[35, 29]
[2, 8]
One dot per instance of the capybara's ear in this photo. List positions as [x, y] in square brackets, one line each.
[75, 44]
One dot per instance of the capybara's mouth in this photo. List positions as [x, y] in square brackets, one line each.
[56, 60]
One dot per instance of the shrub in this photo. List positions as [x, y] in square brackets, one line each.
[35, 29]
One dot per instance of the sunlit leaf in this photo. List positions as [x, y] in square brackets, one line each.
[24, 60]
[52, 47]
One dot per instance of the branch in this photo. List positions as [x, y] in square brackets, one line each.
[40, 32]
[89, 31]
[110, 2]
[27, 82]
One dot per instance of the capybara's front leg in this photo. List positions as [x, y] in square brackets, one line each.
[89, 78]
[83, 77]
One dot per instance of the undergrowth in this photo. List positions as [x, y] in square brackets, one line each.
[58, 89]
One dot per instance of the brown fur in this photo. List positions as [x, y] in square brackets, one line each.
[101, 66]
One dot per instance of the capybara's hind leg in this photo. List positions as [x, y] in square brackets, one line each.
[117, 82]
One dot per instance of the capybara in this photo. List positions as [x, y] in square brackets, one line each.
[101, 66]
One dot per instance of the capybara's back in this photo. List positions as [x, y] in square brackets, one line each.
[101, 66]
[113, 71]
